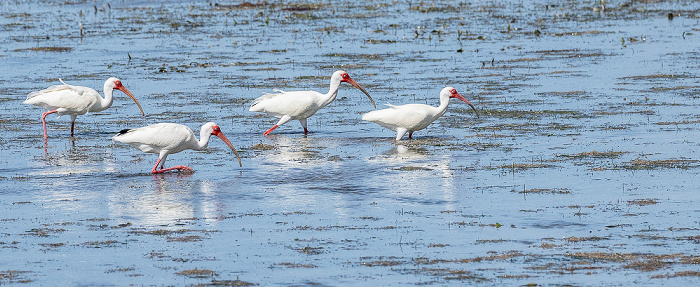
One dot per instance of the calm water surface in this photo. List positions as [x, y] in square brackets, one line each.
[581, 168]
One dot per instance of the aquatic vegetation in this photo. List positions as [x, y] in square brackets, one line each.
[197, 273]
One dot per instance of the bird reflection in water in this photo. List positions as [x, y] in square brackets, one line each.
[417, 174]
[292, 151]
[302, 173]
[161, 180]
[406, 151]
[171, 199]
[78, 158]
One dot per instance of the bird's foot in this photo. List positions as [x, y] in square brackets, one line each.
[178, 168]
[185, 169]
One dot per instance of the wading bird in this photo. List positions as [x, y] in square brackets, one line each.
[413, 117]
[166, 138]
[300, 105]
[75, 100]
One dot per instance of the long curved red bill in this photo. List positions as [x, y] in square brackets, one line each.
[126, 91]
[457, 95]
[356, 85]
[228, 143]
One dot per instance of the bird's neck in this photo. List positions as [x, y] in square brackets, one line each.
[442, 108]
[332, 93]
[203, 141]
[105, 102]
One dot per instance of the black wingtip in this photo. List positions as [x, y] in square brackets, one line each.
[123, 131]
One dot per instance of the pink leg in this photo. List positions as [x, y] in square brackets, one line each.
[410, 134]
[43, 121]
[72, 124]
[306, 131]
[270, 130]
[177, 167]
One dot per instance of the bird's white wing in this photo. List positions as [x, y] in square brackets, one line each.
[51, 89]
[156, 137]
[266, 96]
[73, 98]
[406, 116]
[295, 104]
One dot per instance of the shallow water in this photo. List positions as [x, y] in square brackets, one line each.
[579, 170]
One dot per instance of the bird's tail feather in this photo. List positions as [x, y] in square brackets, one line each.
[124, 131]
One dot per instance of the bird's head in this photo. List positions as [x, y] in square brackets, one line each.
[213, 129]
[451, 92]
[343, 76]
[116, 84]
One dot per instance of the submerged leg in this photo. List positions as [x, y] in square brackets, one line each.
[400, 132]
[303, 124]
[161, 161]
[72, 124]
[43, 121]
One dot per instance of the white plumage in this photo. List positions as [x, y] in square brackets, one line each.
[167, 138]
[75, 100]
[300, 105]
[413, 117]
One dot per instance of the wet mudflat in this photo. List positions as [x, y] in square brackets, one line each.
[580, 170]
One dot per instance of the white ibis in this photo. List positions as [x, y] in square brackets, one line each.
[167, 138]
[413, 117]
[75, 100]
[300, 105]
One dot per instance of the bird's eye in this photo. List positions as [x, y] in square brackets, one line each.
[454, 91]
[345, 76]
